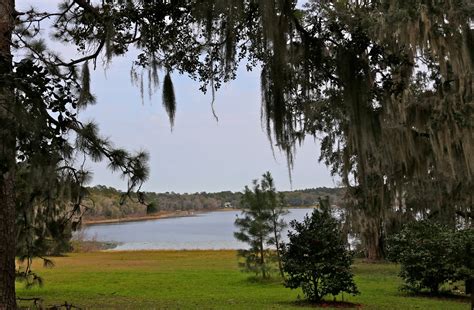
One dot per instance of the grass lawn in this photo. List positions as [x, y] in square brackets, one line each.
[198, 280]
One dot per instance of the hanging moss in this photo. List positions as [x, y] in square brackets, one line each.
[169, 100]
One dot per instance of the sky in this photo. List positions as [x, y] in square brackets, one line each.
[199, 154]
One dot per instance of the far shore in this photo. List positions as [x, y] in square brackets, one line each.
[156, 216]
[161, 215]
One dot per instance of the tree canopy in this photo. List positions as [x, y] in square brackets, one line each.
[387, 86]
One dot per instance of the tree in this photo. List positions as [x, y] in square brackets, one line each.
[40, 95]
[316, 257]
[375, 96]
[276, 206]
[326, 72]
[7, 164]
[261, 225]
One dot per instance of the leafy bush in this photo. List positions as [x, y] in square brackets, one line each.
[316, 257]
[463, 242]
[431, 254]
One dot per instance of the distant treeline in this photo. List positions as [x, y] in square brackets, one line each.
[105, 201]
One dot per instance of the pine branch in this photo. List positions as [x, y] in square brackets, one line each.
[85, 58]
[86, 6]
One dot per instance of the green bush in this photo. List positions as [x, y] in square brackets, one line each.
[431, 254]
[316, 257]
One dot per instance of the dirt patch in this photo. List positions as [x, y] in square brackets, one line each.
[328, 304]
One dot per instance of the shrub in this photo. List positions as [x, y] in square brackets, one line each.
[431, 254]
[316, 257]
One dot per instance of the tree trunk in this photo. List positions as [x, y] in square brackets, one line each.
[7, 245]
[373, 244]
[280, 267]
[277, 245]
[315, 296]
[262, 258]
[7, 163]
[470, 290]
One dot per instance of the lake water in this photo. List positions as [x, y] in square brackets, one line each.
[213, 230]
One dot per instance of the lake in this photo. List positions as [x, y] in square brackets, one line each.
[212, 230]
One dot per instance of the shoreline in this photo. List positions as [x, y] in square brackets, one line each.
[158, 216]
[163, 215]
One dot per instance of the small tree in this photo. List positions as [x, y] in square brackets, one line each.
[276, 207]
[316, 258]
[261, 225]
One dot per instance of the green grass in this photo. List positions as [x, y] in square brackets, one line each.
[198, 280]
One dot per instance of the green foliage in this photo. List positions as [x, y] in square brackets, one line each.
[49, 179]
[152, 208]
[431, 254]
[260, 226]
[309, 197]
[463, 243]
[316, 257]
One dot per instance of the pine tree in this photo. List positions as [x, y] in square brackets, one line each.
[261, 226]
[7, 162]
[277, 209]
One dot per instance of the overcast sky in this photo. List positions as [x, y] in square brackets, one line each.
[199, 154]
